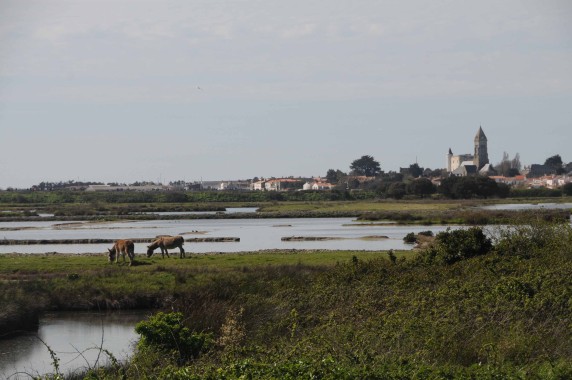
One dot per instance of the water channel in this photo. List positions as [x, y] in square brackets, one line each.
[75, 337]
[528, 206]
[254, 234]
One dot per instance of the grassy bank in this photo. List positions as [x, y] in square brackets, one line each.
[487, 310]
[30, 284]
[404, 212]
[465, 308]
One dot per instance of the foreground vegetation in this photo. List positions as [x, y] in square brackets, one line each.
[492, 306]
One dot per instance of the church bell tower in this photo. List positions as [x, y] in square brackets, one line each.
[481, 152]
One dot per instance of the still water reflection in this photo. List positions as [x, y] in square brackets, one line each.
[528, 206]
[75, 338]
[254, 234]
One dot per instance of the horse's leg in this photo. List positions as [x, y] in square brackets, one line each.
[182, 253]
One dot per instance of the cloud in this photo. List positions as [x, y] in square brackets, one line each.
[133, 51]
[300, 30]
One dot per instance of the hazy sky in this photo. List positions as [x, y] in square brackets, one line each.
[124, 91]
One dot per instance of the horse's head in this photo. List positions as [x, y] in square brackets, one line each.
[111, 254]
[150, 251]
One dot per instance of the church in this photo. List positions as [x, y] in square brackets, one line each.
[471, 164]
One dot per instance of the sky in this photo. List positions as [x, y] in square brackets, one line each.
[125, 91]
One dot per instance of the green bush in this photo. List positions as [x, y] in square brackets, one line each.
[533, 238]
[410, 238]
[166, 332]
[452, 246]
[567, 189]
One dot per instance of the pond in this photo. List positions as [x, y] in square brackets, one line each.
[527, 206]
[228, 210]
[75, 337]
[254, 234]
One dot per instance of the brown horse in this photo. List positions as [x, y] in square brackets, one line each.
[167, 242]
[122, 247]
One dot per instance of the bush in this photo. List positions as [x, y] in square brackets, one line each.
[410, 238]
[452, 246]
[567, 189]
[535, 237]
[166, 332]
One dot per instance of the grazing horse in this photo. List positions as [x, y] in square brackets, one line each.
[122, 247]
[167, 242]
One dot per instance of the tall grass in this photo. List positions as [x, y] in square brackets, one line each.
[496, 315]
[500, 312]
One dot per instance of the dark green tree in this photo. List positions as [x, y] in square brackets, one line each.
[366, 165]
[421, 187]
[335, 176]
[446, 186]
[435, 172]
[396, 190]
[503, 190]
[353, 184]
[512, 172]
[469, 187]
[391, 176]
[465, 188]
[486, 187]
[555, 162]
[567, 189]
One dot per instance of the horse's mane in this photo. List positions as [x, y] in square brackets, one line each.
[155, 243]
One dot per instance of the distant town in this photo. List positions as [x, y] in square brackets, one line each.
[365, 174]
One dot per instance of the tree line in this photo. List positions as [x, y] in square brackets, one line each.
[365, 180]
[419, 188]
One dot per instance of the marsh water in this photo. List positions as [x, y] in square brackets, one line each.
[528, 206]
[75, 338]
[254, 234]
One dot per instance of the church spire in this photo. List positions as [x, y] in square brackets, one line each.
[481, 156]
[480, 135]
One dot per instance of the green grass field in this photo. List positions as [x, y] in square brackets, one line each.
[36, 266]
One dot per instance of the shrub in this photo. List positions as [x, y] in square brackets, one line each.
[166, 332]
[410, 238]
[533, 238]
[567, 189]
[452, 246]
